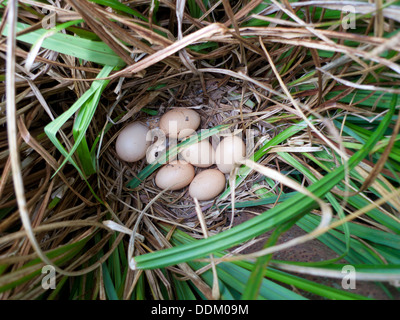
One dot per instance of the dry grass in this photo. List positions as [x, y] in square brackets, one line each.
[300, 65]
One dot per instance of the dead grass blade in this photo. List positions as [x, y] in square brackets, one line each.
[99, 24]
[49, 159]
[164, 53]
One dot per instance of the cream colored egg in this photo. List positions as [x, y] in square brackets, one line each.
[180, 122]
[207, 184]
[131, 144]
[175, 175]
[230, 150]
[200, 154]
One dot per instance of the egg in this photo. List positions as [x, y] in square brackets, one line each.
[175, 175]
[180, 122]
[200, 154]
[131, 144]
[230, 150]
[207, 184]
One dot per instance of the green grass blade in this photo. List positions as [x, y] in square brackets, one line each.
[83, 122]
[295, 164]
[208, 277]
[94, 51]
[140, 292]
[237, 277]
[357, 252]
[59, 286]
[33, 268]
[256, 278]
[374, 235]
[183, 290]
[304, 284]
[108, 284]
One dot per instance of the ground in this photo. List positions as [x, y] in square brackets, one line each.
[314, 250]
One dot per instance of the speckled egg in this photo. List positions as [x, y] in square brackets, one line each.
[175, 175]
[207, 184]
[180, 122]
[131, 144]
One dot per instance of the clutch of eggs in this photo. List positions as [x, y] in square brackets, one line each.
[132, 144]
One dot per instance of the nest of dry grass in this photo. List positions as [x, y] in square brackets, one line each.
[271, 68]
